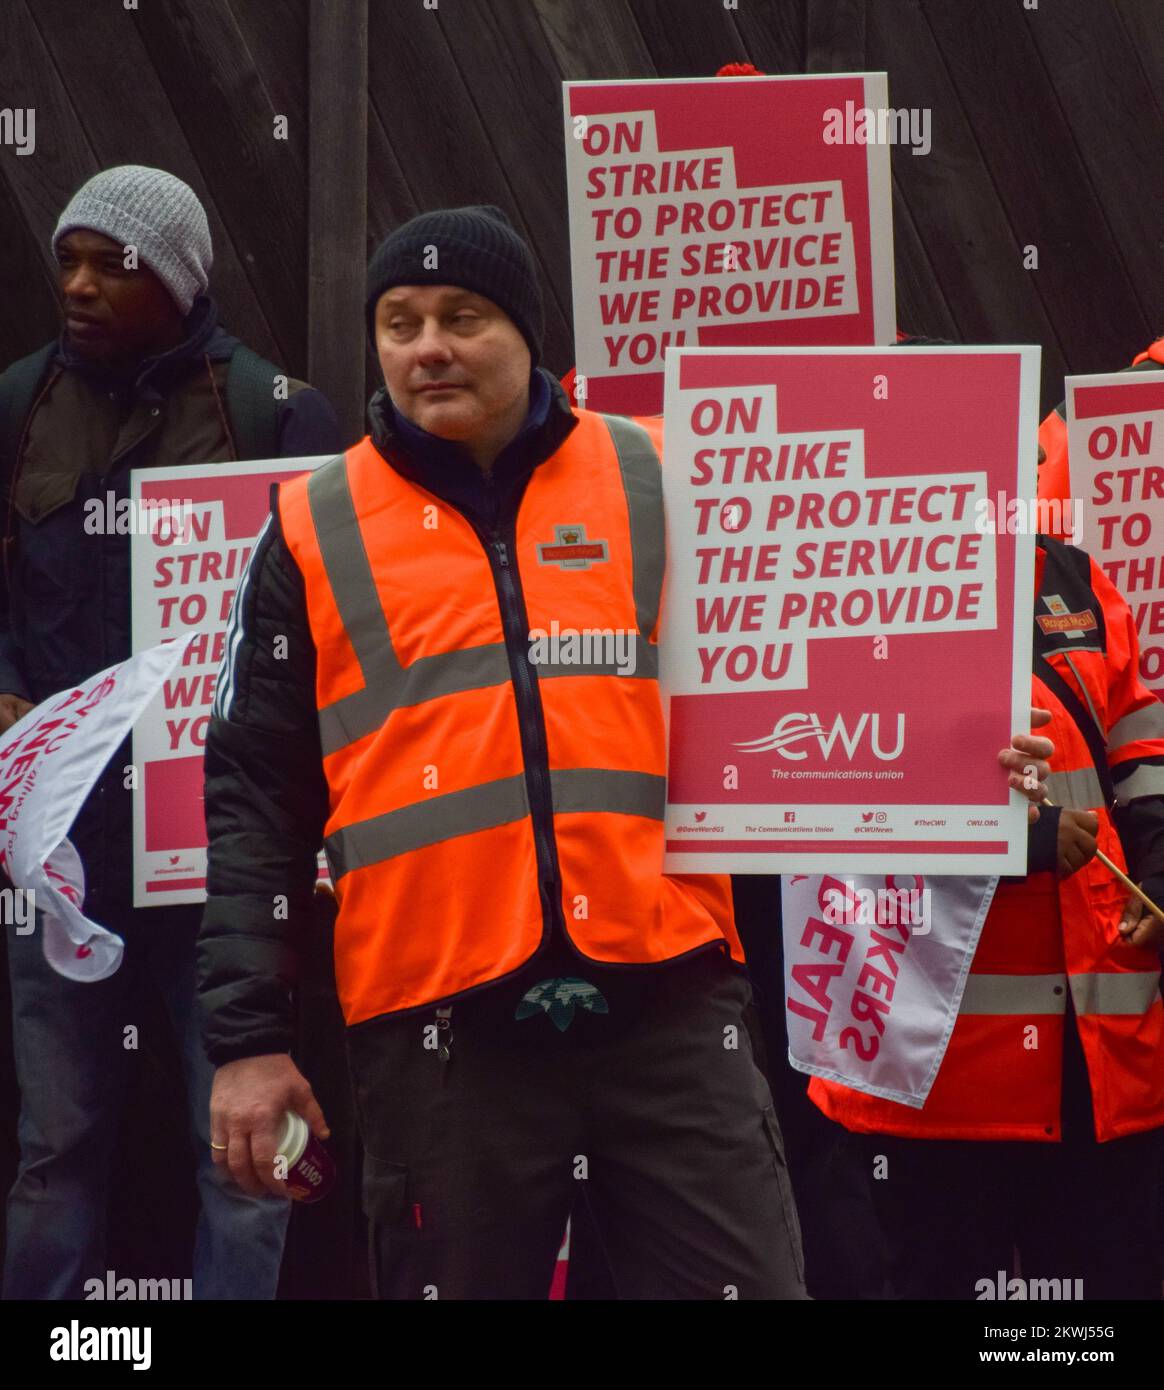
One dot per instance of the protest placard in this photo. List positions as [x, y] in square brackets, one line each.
[846, 641]
[1115, 440]
[705, 211]
[191, 533]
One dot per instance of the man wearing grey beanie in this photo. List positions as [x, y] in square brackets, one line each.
[141, 375]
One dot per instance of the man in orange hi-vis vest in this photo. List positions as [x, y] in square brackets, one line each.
[442, 663]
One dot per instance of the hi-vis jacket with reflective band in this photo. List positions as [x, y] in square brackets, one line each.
[1048, 940]
[479, 801]
[1054, 471]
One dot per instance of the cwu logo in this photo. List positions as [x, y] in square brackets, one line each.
[794, 728]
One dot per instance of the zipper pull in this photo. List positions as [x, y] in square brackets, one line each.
[502, 553]
[444, 1022]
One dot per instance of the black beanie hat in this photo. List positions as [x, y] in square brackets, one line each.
[477, 249]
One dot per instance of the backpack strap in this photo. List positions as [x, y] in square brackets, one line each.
[251, 404]
[18, 388]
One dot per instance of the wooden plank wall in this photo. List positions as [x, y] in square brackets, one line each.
[1046, 127]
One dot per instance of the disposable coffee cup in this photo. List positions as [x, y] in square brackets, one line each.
[310, 1169]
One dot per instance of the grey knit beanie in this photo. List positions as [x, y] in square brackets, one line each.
[154, 212]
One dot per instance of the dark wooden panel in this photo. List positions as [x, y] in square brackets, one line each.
[27, 291]
[390, 202]
[834, 38]
[515, 84]
[774, 36]
[595, 42]
[1040, 180]
[493, 86]
[439, 148]
[689, 39]
[141, 128]
[1118, 131]
[258, 181]
[1142, 22]
[276, 36]
[922, 307]
[959, 217]
[391, 199]
[338, 204]
[42, 182]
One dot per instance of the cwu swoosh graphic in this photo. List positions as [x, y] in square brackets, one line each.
[775, 740]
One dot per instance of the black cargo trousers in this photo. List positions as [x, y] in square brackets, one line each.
[475, 1148]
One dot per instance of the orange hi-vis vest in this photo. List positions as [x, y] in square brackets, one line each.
[1001, 1076]
[1054, 471]
[469, 784]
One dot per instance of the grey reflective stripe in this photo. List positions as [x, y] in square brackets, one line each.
[646, 664]
[1141, 723]
[1078, 790]
[1128, 992]
[427, 823]
[364, 711]
[1104, 992]
[1014, 994]
[491, 804]
[642, 481]
[387, 684]
[604, 789]
[1145, 781]
[341, 544]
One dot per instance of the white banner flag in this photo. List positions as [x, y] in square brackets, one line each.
[874, 973]
[49, 761]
